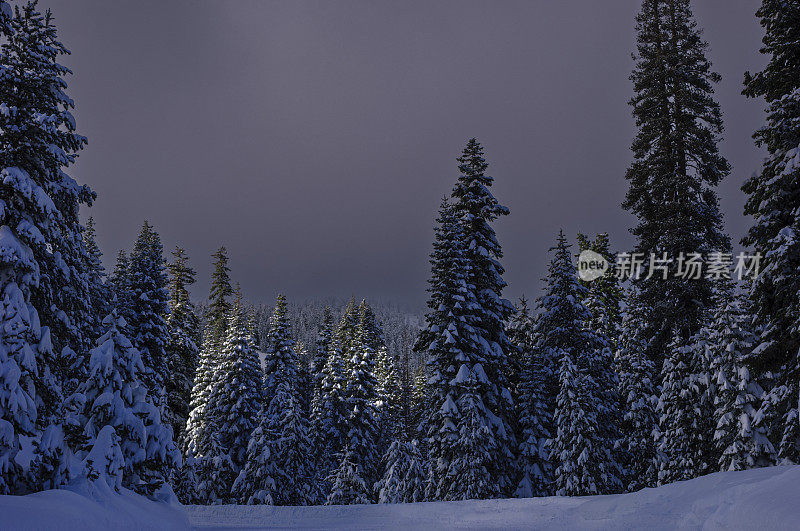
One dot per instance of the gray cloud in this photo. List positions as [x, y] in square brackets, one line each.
[315, 139]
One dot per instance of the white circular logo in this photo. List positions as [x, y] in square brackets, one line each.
[591, 265]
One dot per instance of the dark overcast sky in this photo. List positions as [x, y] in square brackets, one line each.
[316, 139]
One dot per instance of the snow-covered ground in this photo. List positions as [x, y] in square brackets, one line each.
[763, 499]
[88, 507]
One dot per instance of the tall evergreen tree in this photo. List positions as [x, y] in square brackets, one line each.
[389, 398]
[44, 282]
[603, 299]
[278, 469]
[421, 401]
[45, 286]
[520, 333]
[449, 342]
[322, 347]
[148, 310]
[681, 441]
[536, 405]
[219, 304]
[235, 397]
[477, 208]
[361, 449]
[216, 324]
[334, 412]
[576, 473]
[774, 203]
[741, 443]
[182, 350]
[675, 170]
[41, 201]
[637, 393]
[115, 396]
[387, 379]
[583, 453]
[321, 352]
[305, 389]
[280, 360]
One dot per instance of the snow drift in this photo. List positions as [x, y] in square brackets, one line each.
[89, 506]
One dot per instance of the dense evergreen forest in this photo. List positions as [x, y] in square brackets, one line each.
[598, 386]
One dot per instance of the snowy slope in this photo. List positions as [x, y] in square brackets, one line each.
[762, 499]
[88, 507]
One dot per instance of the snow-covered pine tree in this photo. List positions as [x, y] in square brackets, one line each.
[360, 399]
[741, 443]
[196, 426]
[280, 360]
[471, 466]
[387, 380]
[45, 305]
[449, 342]
[333, 414]
[213, 335]
[604, 302]
[182, 349]
[41, 202]
[185, 480]
[217, 472]
[389, 398]
[675, 170]
[477, 208]
[519, 330]
[219, 304]
[638, 397]
[680, 439]
[104, 461]
[583, 454]
[404, 470]
[774, 202]
[420, 405]
[43, 277]
[348, 486]
[236, 395]
[99, 292]
[576, 473]
[115, 396]
[305, 384]
[256, 483]
[321, 351]
[407, 426]
[20, 344]
[535, 406]
[348, 326]
[148, 311]
[279, 465]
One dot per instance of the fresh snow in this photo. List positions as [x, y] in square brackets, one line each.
[764, 498]
[88, 506]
